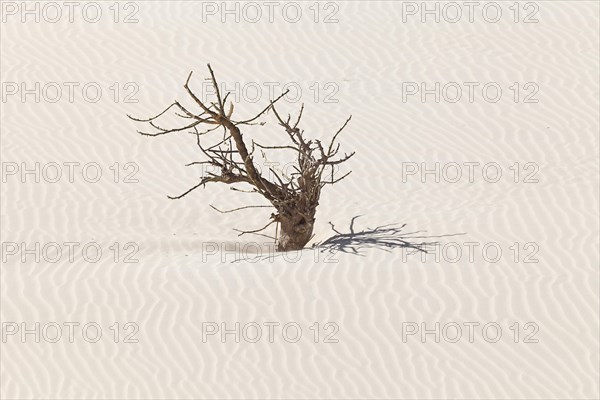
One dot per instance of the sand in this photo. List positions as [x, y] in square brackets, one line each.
[188, 275]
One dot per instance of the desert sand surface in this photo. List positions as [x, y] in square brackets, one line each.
[513, 240]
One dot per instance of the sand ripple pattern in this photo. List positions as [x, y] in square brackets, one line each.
[184, 278]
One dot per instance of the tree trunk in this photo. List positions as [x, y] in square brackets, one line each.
[294, 232]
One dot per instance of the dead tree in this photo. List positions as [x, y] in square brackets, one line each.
[294, 197]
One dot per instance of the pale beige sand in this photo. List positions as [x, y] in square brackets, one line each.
[173, 290]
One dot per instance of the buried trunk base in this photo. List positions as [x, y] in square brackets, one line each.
[294, 233]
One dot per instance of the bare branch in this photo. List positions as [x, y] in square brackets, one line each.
[294, 196]
[196, 99]
[299, 116]
[165, 131]
[254, 231]
[187, 191]
[337, 133]
[216, 86]
[275, 147]
[152, 118]
[337, 180]
[263, 111]
[237, 209]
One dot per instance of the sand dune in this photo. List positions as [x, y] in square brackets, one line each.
[178, 269]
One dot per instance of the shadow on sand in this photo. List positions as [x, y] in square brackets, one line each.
[386, 237]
